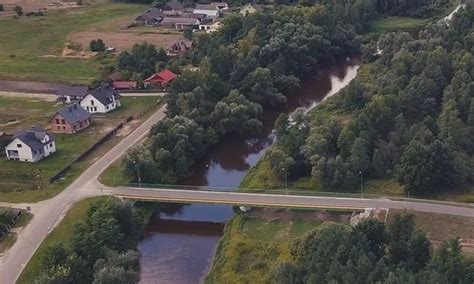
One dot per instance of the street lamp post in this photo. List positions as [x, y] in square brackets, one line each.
[138, 173]
[361, 185]
[286, 180]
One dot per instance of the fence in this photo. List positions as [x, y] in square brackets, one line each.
[91, 149]
[104, 139]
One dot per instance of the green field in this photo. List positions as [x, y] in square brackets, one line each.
[390, 24]
[19, 181]
[252, 246]
[29, 44]
[62, 233]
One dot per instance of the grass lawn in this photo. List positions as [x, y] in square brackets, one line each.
[390, 24]
[113, 176]
[10, 239]
[19, 181]
[253, 245]
[397, 23]
[62, 233]
[29, 44]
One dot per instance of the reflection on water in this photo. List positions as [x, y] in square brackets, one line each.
[228, 162]
[180, 242]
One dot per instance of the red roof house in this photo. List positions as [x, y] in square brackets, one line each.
[162, 78]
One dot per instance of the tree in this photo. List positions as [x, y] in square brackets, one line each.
[426, 167]
[97, 45]
[286, 273]
[188, 33]
[236, 114]
[280, 162]
[360, 160]
[18, 10]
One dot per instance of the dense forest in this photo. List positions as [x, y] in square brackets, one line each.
[408, 116]
[247, 65]
[372, 253]
[102, 248]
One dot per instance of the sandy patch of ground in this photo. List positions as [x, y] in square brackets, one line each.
[123, 40]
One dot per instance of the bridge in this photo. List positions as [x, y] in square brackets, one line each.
[183, 195]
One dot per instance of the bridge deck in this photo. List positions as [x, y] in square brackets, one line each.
[273, 200]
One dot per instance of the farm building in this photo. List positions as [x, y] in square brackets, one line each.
[71, 94]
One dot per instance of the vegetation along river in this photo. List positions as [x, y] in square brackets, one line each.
[179, 243]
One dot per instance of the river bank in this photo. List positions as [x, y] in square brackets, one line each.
[172, 251]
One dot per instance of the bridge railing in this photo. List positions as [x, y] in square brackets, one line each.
[301, 192]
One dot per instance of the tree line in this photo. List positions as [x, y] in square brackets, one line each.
[102, 248]
[246, 66]
[370, 252]
[411, 116]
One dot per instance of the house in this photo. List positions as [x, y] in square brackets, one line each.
[31, 146]
[173, 6]
[70, 119]
[101, 100]
[161, 79]
[209, 26]
[223, 6]
[251, 9]
[179, 23]
[124, 85]
[151, 17]
[70, 94]
[180, 47]
[211, 12]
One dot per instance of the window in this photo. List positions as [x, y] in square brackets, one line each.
[59, 127]
[64, 127]
[51, 145]
[57, 120]
[107, 107]
[95, 108]
[63, 121]
[74, 126]
[18, 145]
[92, 102]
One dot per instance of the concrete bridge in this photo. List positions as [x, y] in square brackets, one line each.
[182, 195]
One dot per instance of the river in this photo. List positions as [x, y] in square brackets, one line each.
[179, 244]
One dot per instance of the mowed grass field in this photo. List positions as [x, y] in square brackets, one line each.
[19, 181]
[31, 46]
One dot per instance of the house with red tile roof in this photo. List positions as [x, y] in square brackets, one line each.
[161, 79]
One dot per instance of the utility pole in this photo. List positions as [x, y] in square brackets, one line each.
[286, 180]
[361, 185]
[138, 173]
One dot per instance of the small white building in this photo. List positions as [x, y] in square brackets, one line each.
[210, 11]
[31, 146]
[101, 100]
[210, 27]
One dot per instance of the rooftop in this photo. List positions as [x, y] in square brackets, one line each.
[74, 114]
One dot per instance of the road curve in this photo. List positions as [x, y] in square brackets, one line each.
[259, 199]
[49, 213]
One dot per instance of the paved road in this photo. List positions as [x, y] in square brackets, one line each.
[258, 199]
[49, 212]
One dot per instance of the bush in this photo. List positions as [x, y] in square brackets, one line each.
[18, 10]
[97, 45]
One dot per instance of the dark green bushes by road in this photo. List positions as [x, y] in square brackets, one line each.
[102, 248]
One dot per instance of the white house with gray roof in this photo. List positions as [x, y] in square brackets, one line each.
[101, 100]
[31, 146]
